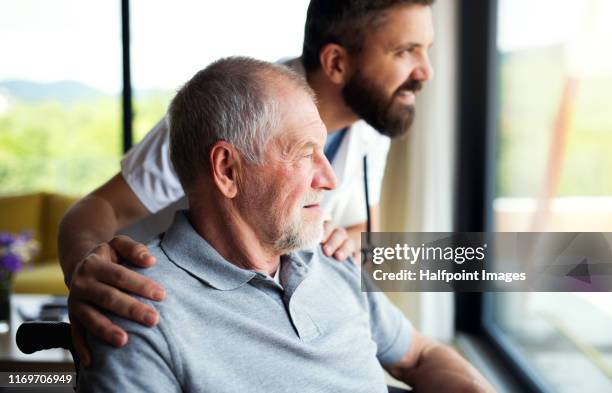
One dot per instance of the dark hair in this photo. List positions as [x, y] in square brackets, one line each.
[343, 22]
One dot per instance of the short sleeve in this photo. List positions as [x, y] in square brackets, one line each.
[391, 331]
[148, 170]
[144, 364]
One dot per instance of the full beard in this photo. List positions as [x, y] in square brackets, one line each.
[369, 102]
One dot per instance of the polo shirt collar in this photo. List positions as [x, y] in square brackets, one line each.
[192, 253]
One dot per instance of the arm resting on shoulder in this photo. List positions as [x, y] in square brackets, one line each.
[89, 254]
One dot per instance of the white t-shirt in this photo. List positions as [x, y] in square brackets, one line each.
[149, 172]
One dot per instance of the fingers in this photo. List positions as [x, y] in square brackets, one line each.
[78, 342]
[98, 293]
[82, 314]
[121, 277]
[346, 250]
[94, 269]
[338, 244]
[136, 253]
[94, 284]
[333, 239]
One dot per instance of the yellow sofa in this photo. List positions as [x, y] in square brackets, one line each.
[40, 214]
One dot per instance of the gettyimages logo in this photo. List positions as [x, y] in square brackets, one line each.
[423, 253]
[476, 261]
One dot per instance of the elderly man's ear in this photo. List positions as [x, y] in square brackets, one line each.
[225, 162]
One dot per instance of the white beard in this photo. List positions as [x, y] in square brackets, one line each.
[300, 235]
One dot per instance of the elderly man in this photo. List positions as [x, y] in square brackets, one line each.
[246, 312]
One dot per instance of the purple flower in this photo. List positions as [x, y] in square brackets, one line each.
[15, 251]
[6, 239]
[25, 236]
[10, 262]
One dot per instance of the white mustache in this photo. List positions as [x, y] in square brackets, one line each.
[313, 198]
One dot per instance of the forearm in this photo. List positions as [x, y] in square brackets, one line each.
[440, 368]
[89, 222]
[96, 219]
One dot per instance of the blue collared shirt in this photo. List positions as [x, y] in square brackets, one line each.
[228, 329]
[334, 140]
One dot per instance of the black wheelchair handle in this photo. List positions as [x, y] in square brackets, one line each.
[41, 335]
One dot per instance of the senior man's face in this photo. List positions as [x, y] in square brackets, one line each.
[281, 198]
[391, 69]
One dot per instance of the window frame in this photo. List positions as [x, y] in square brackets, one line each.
[475, 173]
[126, 95]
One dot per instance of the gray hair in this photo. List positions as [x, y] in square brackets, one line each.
[231, 100]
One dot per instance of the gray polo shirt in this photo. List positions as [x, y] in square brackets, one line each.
[227, 329]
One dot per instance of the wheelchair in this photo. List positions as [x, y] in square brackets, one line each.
[41, 335]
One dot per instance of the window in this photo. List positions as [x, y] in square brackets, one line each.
[545, 137]
[60, 83]
[61, 76]
[553, 174]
